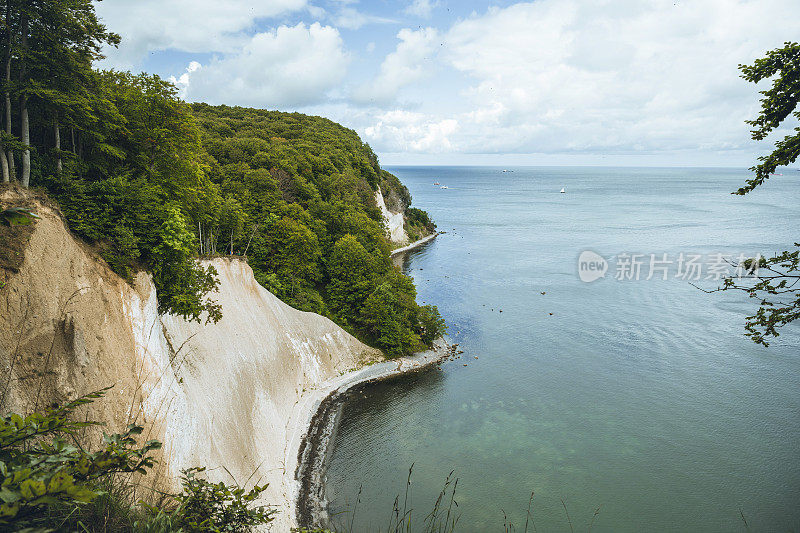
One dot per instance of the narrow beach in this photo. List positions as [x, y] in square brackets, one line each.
[414, 245]
[314, 424]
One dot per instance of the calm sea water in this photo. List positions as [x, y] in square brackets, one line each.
[640, 398]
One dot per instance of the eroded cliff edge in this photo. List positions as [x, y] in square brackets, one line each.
[237, 394]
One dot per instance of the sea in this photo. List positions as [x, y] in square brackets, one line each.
[603, 384]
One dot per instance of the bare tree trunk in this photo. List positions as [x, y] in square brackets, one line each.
[4, 165]
[250, 239]
[25, 134]
[58, 147]
[25, 177]
[7, 59]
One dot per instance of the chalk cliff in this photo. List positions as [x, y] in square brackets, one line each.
[394, 221]
[237, 394]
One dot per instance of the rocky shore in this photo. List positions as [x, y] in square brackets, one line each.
[312, 450]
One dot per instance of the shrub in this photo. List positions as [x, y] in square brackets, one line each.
[40, 469]
[48, 484]
[217, 507]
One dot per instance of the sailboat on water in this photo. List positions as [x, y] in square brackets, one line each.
[563, 190]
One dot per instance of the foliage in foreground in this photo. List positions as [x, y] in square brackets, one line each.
[48, 481]
[216, 507]
[37, 472]
[775, 280]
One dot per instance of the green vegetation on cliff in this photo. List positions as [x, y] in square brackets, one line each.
[155, 183]
[299, 197]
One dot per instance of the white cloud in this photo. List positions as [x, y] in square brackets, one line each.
[549, 76]
[188, 25]
[408, 63]
[182, 82]
[289, 66]
[405, 131]
[352, 19]
[421, 8]
[558, 76]
[316, 12]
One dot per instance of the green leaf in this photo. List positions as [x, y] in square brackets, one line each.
[30, 489]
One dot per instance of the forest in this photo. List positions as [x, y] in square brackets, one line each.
[155, 183]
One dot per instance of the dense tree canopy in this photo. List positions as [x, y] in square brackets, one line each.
[303, 191]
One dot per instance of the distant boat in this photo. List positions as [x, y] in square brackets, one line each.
[504, 170]
[436, 183]
[563, 190]
[444, 187]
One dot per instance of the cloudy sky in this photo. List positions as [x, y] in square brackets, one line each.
[606, 82]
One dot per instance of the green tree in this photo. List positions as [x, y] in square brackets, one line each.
[383, 318]
[352, 278]
[216, 507]
[431, 323]
[51, 481]
[779, 102]
[48, 49]
[40, 468]
[295, 252]
[182, 282]
[772, 280]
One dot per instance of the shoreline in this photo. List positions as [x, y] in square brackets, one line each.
[321, 410]
[414, 245]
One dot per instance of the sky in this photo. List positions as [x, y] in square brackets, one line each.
[549, 82]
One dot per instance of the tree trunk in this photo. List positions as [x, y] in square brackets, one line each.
[7, 59]
[58, 147]
[4, 165]
[25, 177]
[25, 134]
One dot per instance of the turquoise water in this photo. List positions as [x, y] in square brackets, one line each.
[642, 398]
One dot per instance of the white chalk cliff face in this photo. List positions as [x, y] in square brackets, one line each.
[237, 394]
[394, 221]
[231, 394]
